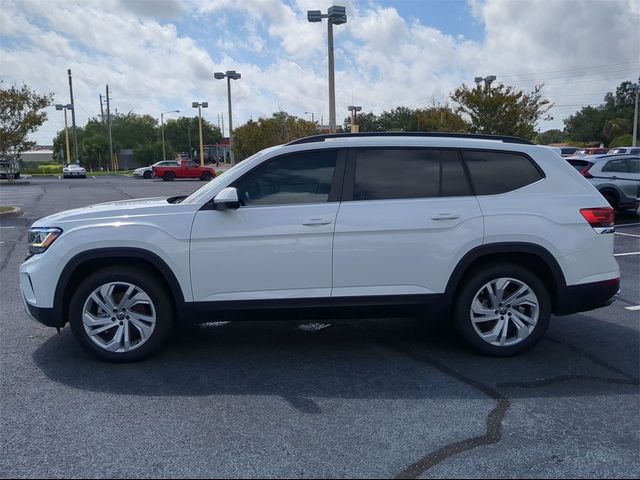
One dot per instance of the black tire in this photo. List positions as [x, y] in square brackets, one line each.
[473, 284]
[611, 199]
[160, 299]
[206, 176]
[16, 176]
[147, 174]
[169, 176]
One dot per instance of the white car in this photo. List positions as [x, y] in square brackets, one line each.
[73, 170]
[624, 150]
[489, 233]
[147, 172]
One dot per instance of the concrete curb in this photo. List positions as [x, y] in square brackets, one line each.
[17, 183]
[14, 212]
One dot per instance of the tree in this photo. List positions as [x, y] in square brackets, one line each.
[550, 136]
[367, 122]
[20, 114]
[267, 132]
[131, 130]
[502, 110]
[439, 118]
[177, 133]
[151, 153]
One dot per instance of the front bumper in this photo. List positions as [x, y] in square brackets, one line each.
[46, 316]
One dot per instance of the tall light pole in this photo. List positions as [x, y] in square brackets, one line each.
[312, 116]
[230, 75]
[634, 87]
[164, 153]
[73, 119]
[487, 81]
[354, 119]
[200, 106]
[66, 128]
[335, 16]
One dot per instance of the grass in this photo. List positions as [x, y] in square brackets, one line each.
[5, 209]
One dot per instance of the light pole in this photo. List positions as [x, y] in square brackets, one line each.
[231, 75]
[487, 81]
[66, 128]
[634, 87]
[354, 119]
[164, 153]
[73, 119]
[200, 106]
[312, 116]
[335, 16]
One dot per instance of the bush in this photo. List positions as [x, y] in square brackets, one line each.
[621, 141]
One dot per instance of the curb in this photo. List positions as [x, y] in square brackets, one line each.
[17, 183]
[14, 212]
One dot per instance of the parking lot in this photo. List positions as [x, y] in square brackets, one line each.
[366, 398]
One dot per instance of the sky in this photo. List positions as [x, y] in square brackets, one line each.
[160, 55]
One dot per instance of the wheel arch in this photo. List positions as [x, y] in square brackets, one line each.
[535, 258]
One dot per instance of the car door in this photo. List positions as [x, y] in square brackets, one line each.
[278, 244]
[618, 171]
[406, 219]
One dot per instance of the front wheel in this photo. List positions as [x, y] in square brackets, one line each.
[121, 314]
[206, 176]
[147, 174]
[502, 310]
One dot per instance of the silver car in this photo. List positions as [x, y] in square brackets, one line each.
[617, 177]
[147, 172]
[623, 150]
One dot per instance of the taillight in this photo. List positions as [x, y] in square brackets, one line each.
[585, 171]
[599, 217]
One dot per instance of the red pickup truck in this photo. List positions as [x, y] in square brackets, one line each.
[184, 169]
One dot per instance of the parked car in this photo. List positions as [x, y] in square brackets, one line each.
[147, 172]
[184, 169]
[568, 151]
[617, 177]
[73, 170]
[484, 232]
[624, 150]
[9, 168]
[592, 151]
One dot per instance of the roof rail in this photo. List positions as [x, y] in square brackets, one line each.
[477, 136]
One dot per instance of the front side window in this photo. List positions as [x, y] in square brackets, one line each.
[619, 165]
[303, 177]
[383, 174]
[499, 172]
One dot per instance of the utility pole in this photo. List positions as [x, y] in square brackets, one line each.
[109, 129]
[101, 110]
[73, 119]
[635, 88]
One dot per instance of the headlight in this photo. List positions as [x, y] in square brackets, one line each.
[41, 238]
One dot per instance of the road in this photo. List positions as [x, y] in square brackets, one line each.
[366, 398]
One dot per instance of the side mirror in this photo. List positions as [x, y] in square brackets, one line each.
[226, 199]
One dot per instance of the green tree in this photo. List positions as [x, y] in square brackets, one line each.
[367, 122]
[439, 118]
[621, 141]
[151, 153]
[178, 131]
[502, 110]
[267, 132]
[21, 113]
[550, 136]
[131, 130]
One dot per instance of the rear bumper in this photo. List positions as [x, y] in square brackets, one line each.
[587, 296]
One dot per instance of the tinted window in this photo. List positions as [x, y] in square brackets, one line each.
[579, 164]
[619, 165]
[568, 151]
[303, 177]
[408, 173]
[499, 172]
[634, 151]
[634, 164]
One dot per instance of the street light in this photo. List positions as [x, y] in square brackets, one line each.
[335, 16]
[164, 153]
[634, 87]
[354, 119]
[230, 75]
[66, 129]
[487, 81]
[312, 117]
[200, 106]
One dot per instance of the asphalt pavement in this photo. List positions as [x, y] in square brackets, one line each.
[359, 398]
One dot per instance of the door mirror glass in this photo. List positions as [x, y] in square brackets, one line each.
[227, 199]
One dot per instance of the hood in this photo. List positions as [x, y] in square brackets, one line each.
[108, 212]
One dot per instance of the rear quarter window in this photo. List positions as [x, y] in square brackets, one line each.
[499, 172]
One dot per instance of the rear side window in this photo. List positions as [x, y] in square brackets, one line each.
[383, 174]
[619, 165]
[499, 172]
[579, 164]
[634, 164]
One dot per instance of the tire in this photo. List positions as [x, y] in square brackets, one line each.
[146, 323]
[146, 175]
[474, 302]
[169, 176]
[611, 199]
[16, 176]
[206, 176]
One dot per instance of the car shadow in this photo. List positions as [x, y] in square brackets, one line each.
[388, 359]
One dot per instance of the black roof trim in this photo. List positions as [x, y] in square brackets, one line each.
[477, 136]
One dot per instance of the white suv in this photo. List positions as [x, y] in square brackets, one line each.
[489, 232]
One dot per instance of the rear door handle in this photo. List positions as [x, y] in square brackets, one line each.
[311, 222]
[445, 216]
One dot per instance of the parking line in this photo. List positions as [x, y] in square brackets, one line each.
[635, 307]
[625, 254]
[628, 234]
[7, 227]
[627, 225]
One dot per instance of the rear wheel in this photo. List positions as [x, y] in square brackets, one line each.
[611, 199]
[121, 314]
[502, 310]
[169, 176]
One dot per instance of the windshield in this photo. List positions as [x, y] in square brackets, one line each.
[203, 192]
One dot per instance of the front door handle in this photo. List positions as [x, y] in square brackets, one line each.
[445, 216]
[311, 222]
